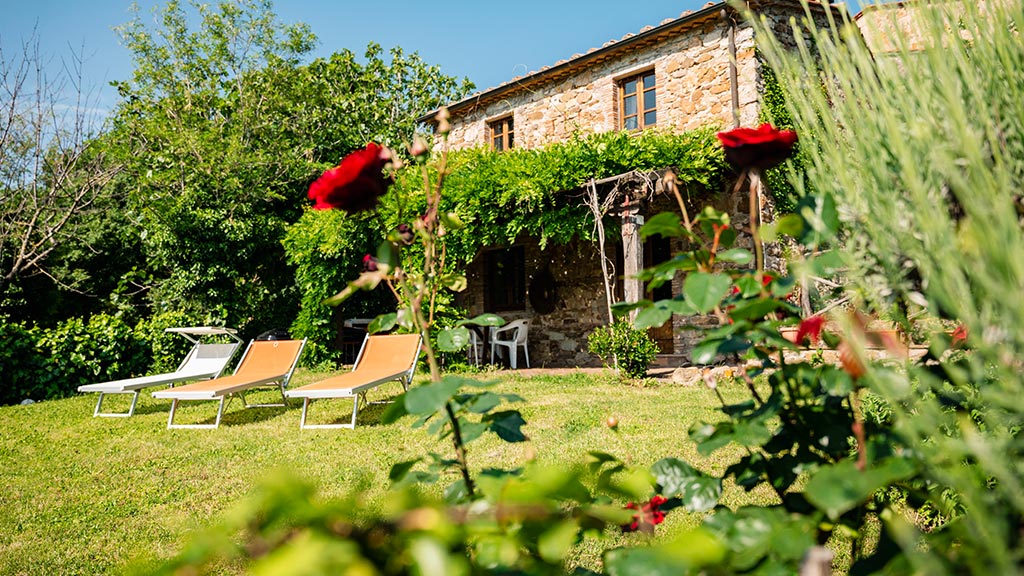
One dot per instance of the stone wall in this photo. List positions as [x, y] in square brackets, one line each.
[557, 339]
[693, 90]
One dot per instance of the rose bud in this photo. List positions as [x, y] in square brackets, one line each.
[405, 234]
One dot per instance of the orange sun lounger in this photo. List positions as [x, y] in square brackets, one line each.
[265, 362]
[382, 359]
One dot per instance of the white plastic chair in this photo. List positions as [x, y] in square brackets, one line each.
[476, 348]
[512, 336]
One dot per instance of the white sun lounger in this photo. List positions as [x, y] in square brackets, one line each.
[203, 361]
[264, 362]
[382, 359]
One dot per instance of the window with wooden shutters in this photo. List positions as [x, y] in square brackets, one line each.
[502, 133]
[638, 102]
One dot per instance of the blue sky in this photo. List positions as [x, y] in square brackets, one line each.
[489, 42]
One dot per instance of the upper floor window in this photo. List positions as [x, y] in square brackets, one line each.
[637, 101]
[502, 133]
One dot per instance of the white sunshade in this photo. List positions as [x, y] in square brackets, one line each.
[204, 331]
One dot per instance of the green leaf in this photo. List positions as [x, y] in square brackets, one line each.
[687, 553]
[365, 281]
[494, 551]
[400, 469]
[736, 256]
[620, 309]
[750, 533]
[826, 264]
[471, 430]
[677, 306]
[483, 320]
[602, 457]
[705, 291]
[453, 339]
[387, 256]
[382, 323]
[610, 514]
[697, 491]
[706, 352]
[507, 425]
[456, 492]
[836, 382]
[451, 221]
[651, 317]
[484, 402]
[842, 487]
[454, 282]
[754, 309]
[553, 544]
[394, 411]
[742, 430]
[665, 224]
[431, 397]
[791, 225]
[748, 285]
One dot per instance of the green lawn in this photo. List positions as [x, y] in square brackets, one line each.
[84, 495]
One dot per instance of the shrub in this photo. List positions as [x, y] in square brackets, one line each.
[631, 349]
[76, 352]
[20, 368]
[166, 350]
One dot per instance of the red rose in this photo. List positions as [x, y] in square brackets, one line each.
[648, 515]
[355, 184]
[762, 148]
[810, 327]
[959, 337]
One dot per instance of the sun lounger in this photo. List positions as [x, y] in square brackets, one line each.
[382, 359]
[265, 362]
[203, 361]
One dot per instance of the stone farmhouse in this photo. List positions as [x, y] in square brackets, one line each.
[696, 70]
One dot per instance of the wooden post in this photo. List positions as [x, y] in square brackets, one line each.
[632, 252]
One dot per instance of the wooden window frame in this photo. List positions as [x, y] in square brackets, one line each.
[639, 93]
[502, 129]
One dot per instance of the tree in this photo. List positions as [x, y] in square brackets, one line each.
[222, 131]
[51, 171]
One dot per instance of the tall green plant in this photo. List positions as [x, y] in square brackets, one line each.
[923, 149]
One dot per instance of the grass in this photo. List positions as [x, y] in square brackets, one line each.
[86, 495]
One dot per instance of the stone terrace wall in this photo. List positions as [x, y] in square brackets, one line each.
[692, 76]
[558, 339]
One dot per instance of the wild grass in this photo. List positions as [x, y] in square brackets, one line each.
[922, 148]
[86, 495]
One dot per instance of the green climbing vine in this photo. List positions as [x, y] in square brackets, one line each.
[500, 197]
[773, 110]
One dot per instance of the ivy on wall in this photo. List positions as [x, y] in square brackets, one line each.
[501, 196]
[773, 110]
